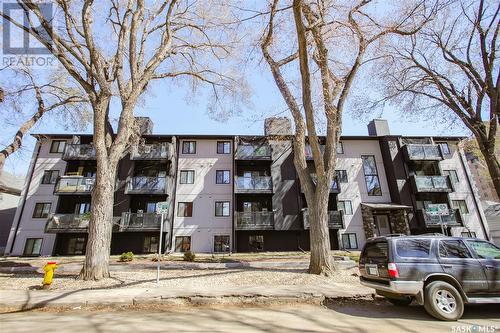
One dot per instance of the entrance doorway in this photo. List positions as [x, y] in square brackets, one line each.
[382, 226]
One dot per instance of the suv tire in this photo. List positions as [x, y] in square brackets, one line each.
[402, 301]
[443, 301]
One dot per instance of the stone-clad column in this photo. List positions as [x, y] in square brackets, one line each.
[399, 222]
[368, 223]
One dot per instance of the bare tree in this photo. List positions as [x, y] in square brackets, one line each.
[451, 67]
[331, 42]
[115, 49]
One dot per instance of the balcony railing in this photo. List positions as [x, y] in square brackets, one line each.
[335, 219]
[454, 218]
[146, 185]
[423, 152]
[334, 188]
[74, 185]
[67, 223]
[157, 151]
[253, 184]
[432, 183]
[251, 152]
[254, 220]
[140, 221]
[79, 152]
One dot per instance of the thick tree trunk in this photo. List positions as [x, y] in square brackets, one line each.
[493, 167]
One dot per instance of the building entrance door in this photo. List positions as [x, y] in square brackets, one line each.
[382, 226]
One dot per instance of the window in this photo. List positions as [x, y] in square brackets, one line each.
[371, 175]
[341, 176]
[57, 146]
[349, 241]
[50, 176]
[413, 248]
[150, 207]
[221, 243]
[222, 177]
[469, 234]
[185, 209]
[223, 147]
[453, 249]
[445, 149]
[452, 174]
[182, 243]
[150, 244]
[33, 247]
[340, 147]
[82, 208]
[42, 210]
[189, 147]
[187, 177]
[222, 208]
[376, 250]
[76, 245]
[461, 205]
[485, 250]
[345, 206]
[256, 243]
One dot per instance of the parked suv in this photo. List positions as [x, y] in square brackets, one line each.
[439, 272]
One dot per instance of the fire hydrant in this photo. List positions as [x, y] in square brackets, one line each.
[49, 269]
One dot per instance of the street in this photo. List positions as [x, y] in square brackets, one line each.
[338, 317]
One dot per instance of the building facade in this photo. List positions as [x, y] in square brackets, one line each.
[242, 193]
[482, 178]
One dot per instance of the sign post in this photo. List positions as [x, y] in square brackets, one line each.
[161, 208]
[439, 210]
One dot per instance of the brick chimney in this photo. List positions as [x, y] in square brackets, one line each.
[277, 126]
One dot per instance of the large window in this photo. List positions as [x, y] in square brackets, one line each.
[453, 249]
[371, 175]
[187, 177]
[82, 208]
[349, 241]
[150, 207]
[223, 147]
[341, 176]
[345, 206]
[452, 174]
[256, 243]
[185, 209]
[150, 244]
[182, 243]
[413, 248]
[461, 205]
[33, 247]
[189, 147]
[444, 147]
[50, 176]
[42, 210]
[222, 208]
[485, 250]
[57, 146]
[221, 243]
[222, 177]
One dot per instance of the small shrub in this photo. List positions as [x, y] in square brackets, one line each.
[127, 256]
[189, 256]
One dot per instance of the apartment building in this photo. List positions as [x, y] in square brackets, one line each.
[482, 178]
[241, 193]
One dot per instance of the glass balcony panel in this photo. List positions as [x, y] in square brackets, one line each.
[79, 152]
[143, 184]
[157, 151]
[254, 220]
[260, 183]
[74, 184]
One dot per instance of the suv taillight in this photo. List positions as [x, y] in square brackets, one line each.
[393, 270]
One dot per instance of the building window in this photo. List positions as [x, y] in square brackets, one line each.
[341, 176]
[340, 147]
[345, 206]
[371, 175]
[42, 210]
[222, 208]
[222, 177]
[223, 147]
[33, 246]
[221, 243]
[189, 147]
[182, 243]
[469, 234]
[57, 146]
[461, 205]
[150, 244]
[350, 241]
[82, 208]
[50, 176]
[256, 243]
[150, 207]
[187, 177]
[185, 209]
[445, 149]
[452, 174]
[76, 245]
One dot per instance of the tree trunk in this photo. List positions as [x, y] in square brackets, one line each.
[493, 167]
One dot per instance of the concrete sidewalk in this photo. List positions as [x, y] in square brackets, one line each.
[33, 299]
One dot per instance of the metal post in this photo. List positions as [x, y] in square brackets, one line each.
[159, 252]
[442, 225]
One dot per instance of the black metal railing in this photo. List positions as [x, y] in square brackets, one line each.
[335, 219]
[254, 220]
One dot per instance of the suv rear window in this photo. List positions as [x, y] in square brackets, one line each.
[376, 250]
[413, 248]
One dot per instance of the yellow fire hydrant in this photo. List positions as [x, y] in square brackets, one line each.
[49, 269]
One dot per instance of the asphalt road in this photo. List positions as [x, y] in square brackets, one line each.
[347, 317]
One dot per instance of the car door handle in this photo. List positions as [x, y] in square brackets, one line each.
[447, 266]
[489, 267]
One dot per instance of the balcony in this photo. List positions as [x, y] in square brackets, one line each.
[309, 154]
[251, 152]
[74, 185]
[335, 219]
[157, 151]
[334, 188]
[259, 184]
[254, 220]
[59, 223]
[140, 222]
[425, 184]
[427, 152]
[454, 219]
[146, 185]
[79, 152]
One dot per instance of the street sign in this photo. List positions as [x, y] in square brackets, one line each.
[162, 207]
[437, 209]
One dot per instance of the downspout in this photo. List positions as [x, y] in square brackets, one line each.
[25, 195]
